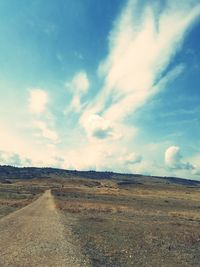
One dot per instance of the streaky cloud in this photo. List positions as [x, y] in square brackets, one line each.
[78, 87]
[140, 50]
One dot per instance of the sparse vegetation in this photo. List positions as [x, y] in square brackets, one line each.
[120, 220]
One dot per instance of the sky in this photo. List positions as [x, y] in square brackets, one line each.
[105, 85]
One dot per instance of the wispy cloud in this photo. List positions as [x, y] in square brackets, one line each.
[38, 100]
[45, 130]
[42, 119]
[140, 50]
[132, 159]
[137, 67]
[140, 62]
[78, 87]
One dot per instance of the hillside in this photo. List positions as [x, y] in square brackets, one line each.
[10, 172]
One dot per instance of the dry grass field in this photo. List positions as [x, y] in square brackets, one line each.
[123, 220]
[134, 225]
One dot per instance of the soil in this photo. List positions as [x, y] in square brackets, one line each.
[35, 236]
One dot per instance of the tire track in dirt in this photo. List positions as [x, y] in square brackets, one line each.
[36, 236]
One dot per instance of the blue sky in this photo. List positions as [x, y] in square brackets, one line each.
[102, 85]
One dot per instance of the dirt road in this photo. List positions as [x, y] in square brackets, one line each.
[35, 236]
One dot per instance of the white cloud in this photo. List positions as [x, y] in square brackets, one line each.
[140, 51]
[80, 83]
[196, 171]
[173, 159]
[132, 158]
[195, 159]
[78, 86]
[97, 126]
[20, 147]
[136, 68]
[172, 156]
[45, 131]
[42, 119]
[12, 140]
[38, 100]
[14, 159]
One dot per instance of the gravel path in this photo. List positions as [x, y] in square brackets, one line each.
[35, 236]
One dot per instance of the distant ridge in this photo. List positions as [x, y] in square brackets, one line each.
[10, 172]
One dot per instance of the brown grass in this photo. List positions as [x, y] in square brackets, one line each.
[15, 203]
[74, 206]
[191, 215]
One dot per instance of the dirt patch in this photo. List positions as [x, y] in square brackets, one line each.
[36, 236]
